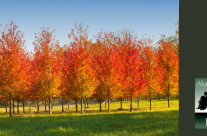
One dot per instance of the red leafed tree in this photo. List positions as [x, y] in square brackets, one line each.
[152, 69]
[25, 81]
[67, 78]
[107, 64]
[12, 49]
[100, 91]
[36, 93]
[81, 79]
[62, 73]
[46, 52]
[133, 66]
[29, 79]
[65, 75]
[169, 60]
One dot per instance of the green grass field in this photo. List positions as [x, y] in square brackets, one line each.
[160, 121]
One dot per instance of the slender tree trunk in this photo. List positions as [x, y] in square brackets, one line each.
[68, 104]
[168, 100]
[81, 105]
[105, 104]
[6, 106]
[50, 106]
[45, 105]
[10, 112]
[18, 105]
[150, 104]
[137, 102]
[29, 106]
[76, 105]
[36, 103]
[23, 105]
[62, 104]
[131, 108]
[37, 106]
[121, 103]
[100, 105]
[87, 102]
[168, 96]
[108, 105]
[13, 105]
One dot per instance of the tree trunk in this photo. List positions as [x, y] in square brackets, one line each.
[168, 96]
[105, 104]
[29, 106]
[131, 108]
[76, 105]
[87, 102]
[51, 104]
[23, 105]
[13, 105]
[10, 112]
[45, 105]
[121, 103]
[18, 105]
[108, 105]
[137, 102]
[100, 105]
[62, 104]
[150, 104]
[50, 107]
[81, 105]
[68, 104]
[168, 100]
[37, 106]
[6, 106]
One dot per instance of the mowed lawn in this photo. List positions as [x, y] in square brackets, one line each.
[160, 121]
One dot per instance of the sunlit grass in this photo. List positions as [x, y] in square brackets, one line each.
[144, 105]
[160, 121]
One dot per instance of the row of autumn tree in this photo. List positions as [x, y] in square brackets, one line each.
[112, 67]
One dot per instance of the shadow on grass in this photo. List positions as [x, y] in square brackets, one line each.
[143, 123]
[66, 111]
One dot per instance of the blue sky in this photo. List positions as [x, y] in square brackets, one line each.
[150, 17]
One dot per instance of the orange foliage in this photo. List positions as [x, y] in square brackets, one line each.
[78, 73]
[152, 71]
[46, 79]
[12, 53]
[169, 60]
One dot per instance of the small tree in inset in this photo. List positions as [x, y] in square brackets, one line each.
[203, 102]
